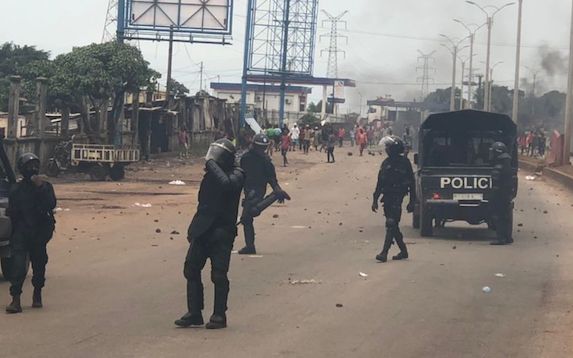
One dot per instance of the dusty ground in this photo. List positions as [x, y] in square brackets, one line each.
[115, 280]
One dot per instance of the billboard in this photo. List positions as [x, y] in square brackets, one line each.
[271, 21]
[208, 17]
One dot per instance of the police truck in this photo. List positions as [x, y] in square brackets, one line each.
[454, 167]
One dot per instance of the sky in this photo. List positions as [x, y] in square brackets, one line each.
[384, 37]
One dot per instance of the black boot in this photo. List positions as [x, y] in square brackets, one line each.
[401, 256]
[403, 250]
[247, 251]
[382, 257]
[14, 306]
[37, 298]
[190, 320]
[217, 321]
[249, 230]
[499, 242]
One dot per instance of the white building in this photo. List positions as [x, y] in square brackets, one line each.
[264, 97]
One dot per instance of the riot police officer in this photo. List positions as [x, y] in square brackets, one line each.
[30, 208]
[260, 172]
[395, 181]
[502, 194]
[212, 233]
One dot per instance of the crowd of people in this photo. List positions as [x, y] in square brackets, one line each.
[533, 143]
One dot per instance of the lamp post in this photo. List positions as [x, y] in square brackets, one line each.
[472, 35]
[515, 111]
[493, 10]
[490, 87]
[454, 51]
[569, 103]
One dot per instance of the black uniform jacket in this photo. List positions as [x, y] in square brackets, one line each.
[259, 171]
[30, 209]
[219, 196]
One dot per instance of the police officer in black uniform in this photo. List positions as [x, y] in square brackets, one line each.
[30, 208]
[212, 233]
[504, 188]
[395, 181]
[259, 171]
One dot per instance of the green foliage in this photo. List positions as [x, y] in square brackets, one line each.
[25, 61]
[177, 88]
[310, 119]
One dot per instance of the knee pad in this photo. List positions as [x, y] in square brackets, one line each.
[391, 223]
[219, 277]
[191, 274]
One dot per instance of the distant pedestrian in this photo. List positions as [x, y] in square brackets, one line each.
[294, 136]
[362, 140]
[352, 137]
[183, 138]
[317, 138]
[286, 143]
[341, 134]
[330, 148]
[541, 144]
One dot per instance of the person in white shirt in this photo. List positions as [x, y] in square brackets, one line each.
[295, 134]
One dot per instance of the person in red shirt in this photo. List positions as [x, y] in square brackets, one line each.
[285, 145]
[362, 140]
[341, 134]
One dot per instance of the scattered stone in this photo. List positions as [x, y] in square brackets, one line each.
[545, 212]
[454, 247]
[171, 238]
[520, 225]
[339, 224]
[158, 230]
[156, 220]
[350, 154]
[154, 245]
[339, 305]
[275, 216]
[75, 229]
[175, 232]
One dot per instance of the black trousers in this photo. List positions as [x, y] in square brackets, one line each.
[393, 214]
[37, 252]
[503, 220]
[330, 154]
[216, 245]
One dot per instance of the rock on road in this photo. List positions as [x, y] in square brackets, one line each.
[115, 284]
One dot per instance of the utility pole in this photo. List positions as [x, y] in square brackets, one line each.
[169, 63]
[569, 103]
[472, 35]
[454, 50]
[201, 77]
[333, 51]
[462, 84]
[425, 65]
[244, 83]
[515, 112]
[286, 23]
[490, 16]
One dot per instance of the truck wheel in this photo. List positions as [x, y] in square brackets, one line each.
[416, 217]
[117, 172]
[98, 172]
[426, 221]
[53, 169]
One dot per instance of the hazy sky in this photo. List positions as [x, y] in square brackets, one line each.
[384, 36]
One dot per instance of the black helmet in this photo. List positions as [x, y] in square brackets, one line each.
[261, 140]
[497, 149]
[223, 152]
[24, 166]
[394, 145]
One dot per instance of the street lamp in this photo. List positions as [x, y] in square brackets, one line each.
[472, 34]
[515, 111]
[534, 73]
[464, 61]
[490, 11]
[569, 103]
[454, 51]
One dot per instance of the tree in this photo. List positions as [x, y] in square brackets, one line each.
[25, 61]
[317, 108]
[177, 89]
[101, 72]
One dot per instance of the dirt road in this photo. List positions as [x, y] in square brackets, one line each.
[115, 280]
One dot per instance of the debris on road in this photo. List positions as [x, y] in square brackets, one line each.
[298, 227]
[500, 275]
[304, 282]
[255, 256]
[60, 209]
[530, 177]
[148, 205]
[339, 305]
[275, 216]
[158, 231]
[175, 232]
[486, 289]
[177, 182]
[362, 274]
